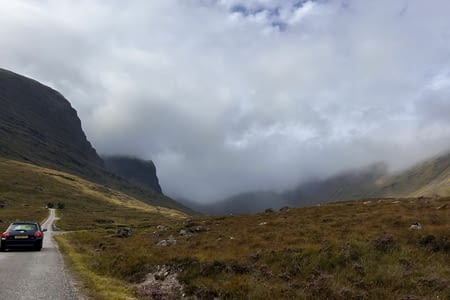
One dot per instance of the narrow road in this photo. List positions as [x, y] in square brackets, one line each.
[30, 275]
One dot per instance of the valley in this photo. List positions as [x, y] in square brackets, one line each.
[361, 249]
[360, 234]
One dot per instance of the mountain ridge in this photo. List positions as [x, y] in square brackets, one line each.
[428, 178]
[39, 126]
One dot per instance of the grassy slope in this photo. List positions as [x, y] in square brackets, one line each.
[25, 190]
[429, 178]
[356, 250]
[341, 250]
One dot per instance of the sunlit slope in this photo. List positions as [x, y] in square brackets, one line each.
[26, 189]
[429, 178]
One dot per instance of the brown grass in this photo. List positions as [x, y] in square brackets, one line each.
[346, 250]
[356, 250]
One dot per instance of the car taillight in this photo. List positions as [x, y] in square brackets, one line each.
[5, 235]
[38, 234]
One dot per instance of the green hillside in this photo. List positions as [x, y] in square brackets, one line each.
[26, 189]
[428, 178]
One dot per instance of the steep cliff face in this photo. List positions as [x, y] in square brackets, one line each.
[136, 170]
[38, 125]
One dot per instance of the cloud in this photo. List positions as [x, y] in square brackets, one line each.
[228, 95]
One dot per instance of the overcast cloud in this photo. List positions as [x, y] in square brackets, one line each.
[228, 96]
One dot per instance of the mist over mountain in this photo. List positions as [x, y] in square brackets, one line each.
[430, 178]
[234, 96]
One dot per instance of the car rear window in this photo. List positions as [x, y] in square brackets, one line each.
[23, 227]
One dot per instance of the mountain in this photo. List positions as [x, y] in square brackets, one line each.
[249, 202]
[348, 185]
[430, 178]
[138, 171]
[39, 126]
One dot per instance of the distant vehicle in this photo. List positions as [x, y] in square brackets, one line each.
[23, 234]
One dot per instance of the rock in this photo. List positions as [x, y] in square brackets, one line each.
[262, 223]
[161, 284]
[167, 242]
[416, 226]
[199, 229]
[161, 228]
[285, 209]
[124, 232]
[184, 232]
[142, 172]
[269, 210]
[445, 206]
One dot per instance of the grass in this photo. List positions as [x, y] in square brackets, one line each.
[94, 286]
[357, 250]
[345, 250]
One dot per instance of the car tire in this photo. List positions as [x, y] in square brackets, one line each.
[38, 246]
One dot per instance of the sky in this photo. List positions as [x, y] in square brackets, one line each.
[227, 96]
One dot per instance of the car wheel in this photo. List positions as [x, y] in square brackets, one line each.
[38, 246]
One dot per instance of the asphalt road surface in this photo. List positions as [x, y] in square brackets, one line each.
[36, 275]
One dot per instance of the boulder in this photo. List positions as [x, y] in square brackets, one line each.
[124, 232]
[167, 242]
[416, 226]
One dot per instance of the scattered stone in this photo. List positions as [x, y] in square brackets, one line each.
[416, 226]
[262, 223]
[167, 242]
[184, 232]
[445, 206]
[199, 229]
[161, 228]
[161, 284]
[285, 209]
[367, 202]
[395, 202]
[232, 238]
[124, 232]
